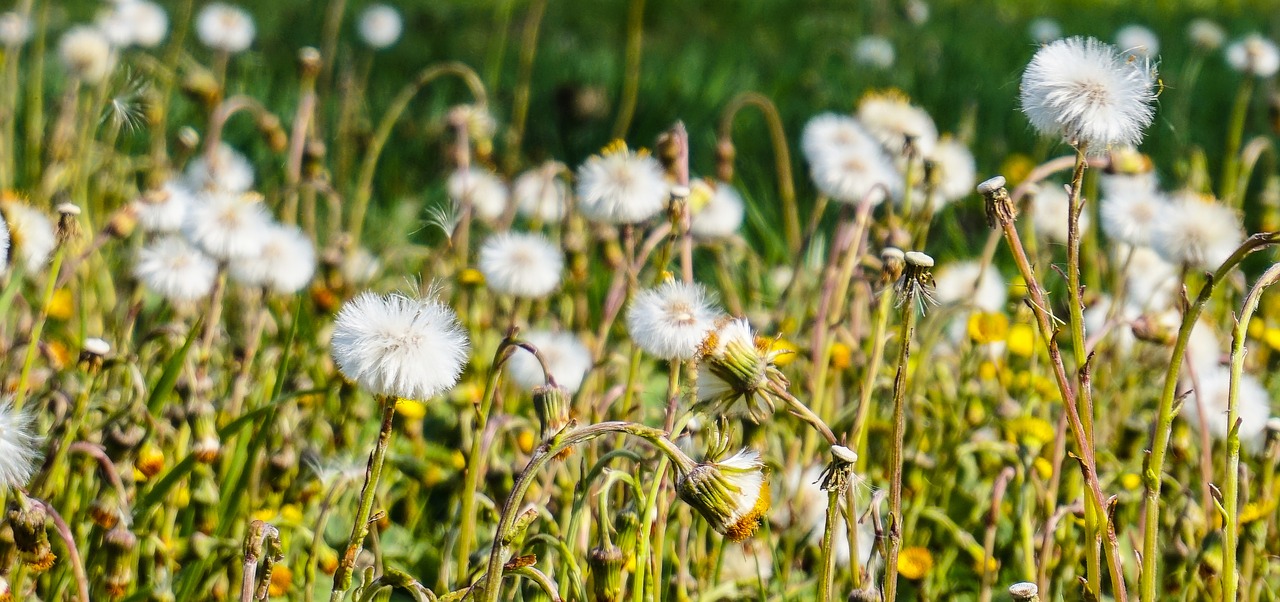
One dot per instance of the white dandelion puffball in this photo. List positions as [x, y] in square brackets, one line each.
[87, 54]
[380, 26]
[917, 12]
[486, 192]
[134, 22]
[959, 282]
[1206, 34]
[1044, 30]
[955, 169]
[1089, 93]
[164, 210]
[540, 193]
[831, 133]
[231, 171]
[874, 51]
[285, 265]
[227, 225]
[746, 562]
[891, 118]
[359, 266]
[1050, 209]
[15, 30]
[31, 235]
[521, 264]
[1097, 315]
[1138, 40]
[175, 270]
[567, 359]
[1150, 281]
[398, 346]
[855, 175]
[4, 244]
[1254, 55]
[225, 28]
[19, 446]
[720, 213]
[1253, 405]
[621, 186]
[1129, 207]
[1197, 232]
[671, 320]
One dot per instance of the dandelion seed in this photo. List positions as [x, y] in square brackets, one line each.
[521, 264]
[87, 54]
[567, 359]
[486, 192]
[227, 226]
[541, 193]
[671, 321]
[175, 270]
[19, 446]
[899, 125]
[916, 284]
[1253, 404]
[446, 217]
[732, 494]
[1197, 232]
[380, 26]
[31, 235]
[4, 243]
[164, 210]
[1089, 93]
[717, 210]
[225, 28]
[621, 186]
[285, 265]
[1254, 55]
[397, 346]
[1138, 40]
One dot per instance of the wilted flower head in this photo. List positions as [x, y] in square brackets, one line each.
[486, 192]
[1044, 30]
[1253, 404]
[380, 26]
[1254, 55]
[19, 446]
[164, 210]
[15, 30]
[86, 53]
[540, 193]
[1139, 40]
[621, 186]
[1089, 93]
[1051, 209]
[717, 210]
[175, 270]
[230, 172]
[31, 235]
[224, 27]
[732, 493]
[874, 51]
[398, 346]
[671, 321]
[1197, 232]
[567, 359]
[1206, 34]
[896, 123]
[735, 364]
[227, 225]
[285, 264]
[521, 264]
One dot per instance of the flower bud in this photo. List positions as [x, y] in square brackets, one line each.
[29, 522]
[732, 494]
[553, 405]
[606, 573]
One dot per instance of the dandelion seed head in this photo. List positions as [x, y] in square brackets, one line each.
[231, 171]
[567, 359]
[15, 29]
[891, 118]
[486, 192]
[955, 170]
[164, 210]
[1130, 204]
[717, 210]
[1253, 404]
[134, 22]
[1139, 40]
[1050, 210]
[285, 264]
[1044, 30]
[959, 282]
[1197, 232]
[540, 193]
[380, 26]
[1206, 34]
[227, 226]
[521, 264]
[621, 186]
[31, 235]
[855, 175]
[832, 133]
[87, 54]
[225, 28]
[175, 270]
[1254, 55]
[19, 446]
[671, 321]
[874, 51]
[1150, 281]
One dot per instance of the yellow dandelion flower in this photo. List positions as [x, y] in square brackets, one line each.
[524, 440]
[281, 581]
[471, 277]
[1021, 340]
[1131, 480]
[61, 305]
[1031, 431]
[265, 515]
[1271, 337]
[1043, 467]
[411, 409]
[988, 327]
[841, 356]
[1257, 510]
[987, 370]
[291, 513]
[1257, 327]
[785, 349]
[914, 562]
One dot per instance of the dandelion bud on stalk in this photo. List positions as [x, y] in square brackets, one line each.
[29, 521]
[553, 404]
[732, 494]
[916, 284]
[68, 230]
[737, 364]
[119, 544]
[606, 573]
[93, 352]
[892, 262]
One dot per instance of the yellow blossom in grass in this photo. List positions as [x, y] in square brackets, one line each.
[281, 581]
[1043, 467]
[1257, 327]
[1271, 337]
[471, 277]
[1017, 287]
[328, 560]
[914, 562]
[459, 461]
[1131, 480]
[993, 565]
[987, 370]
[1031, 431]
[61, 306]
[1021, 340]
[1016, 167]
[786, 351]
[411, 409]
[841, 356]
[988, 327]
[265, 515]
[1257, 510]
[291, 513]
[59, 355]
[524, 440]
[1046, 387]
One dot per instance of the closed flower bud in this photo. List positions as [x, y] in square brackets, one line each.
[150, 460]
[554, 407]
[29, 522]
[606, 573]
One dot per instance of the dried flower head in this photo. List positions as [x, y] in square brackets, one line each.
[731, 493]
[1089, 93]
[380, 26]
[521, 264]
[735, 364]
[621, 186]
[175, 270]
[224, 27]
[671, 321]
[916, 286]
[398, 346]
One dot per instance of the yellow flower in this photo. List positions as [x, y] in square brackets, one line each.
[1016, 168]
[150, 461]
[281, 581]
[1257, 327]
[265, 515]
[914, 562]
[411, 409]
[59, 355]
[987, 370]
[1272, 337]
[291, 513]
[524, 440]
[459, 461]
[1043, 467]
[1256, 510]
[1131, 480]
[1021, 340]
[786, 351]
[841, 356]
[1031, 431]
[993, 565]
[988, 327]
[61, 306]
[471, 277]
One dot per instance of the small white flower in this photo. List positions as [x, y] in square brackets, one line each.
[540, 193]
[955, 170]
[285, 265]
[856, 174]
[486, 192]
[380, 26]
[958, 282]
[521, 264]
[1139, 40]
[164, 210]
[87, 54]
[1196, 232]
[398, 346]
[621, 186]
[1253, 404]
[671, 321]
[874, 51]
[231, 171]
[567, 359]
[1089, 93]
[227, 225]
[1130, 204]
[732, 494]
[1206, 34]
[1044, 30]
[19, 446]
[891, 118]
[1050, 209]
[225, 28]
[175, 270]
[15, 30]
[31, 235]
[718, 212]
[1254, 55]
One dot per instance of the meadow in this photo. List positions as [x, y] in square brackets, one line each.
[643, 300]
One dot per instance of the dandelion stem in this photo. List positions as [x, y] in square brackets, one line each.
[360, 527]
[1235, 135]
[781, 158]
[37, 329]
[896, 443]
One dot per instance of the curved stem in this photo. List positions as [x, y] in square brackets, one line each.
[1235, 134]
[524, 79]
[781, 158]
[364, 184]
[77, 566]
[631, 75]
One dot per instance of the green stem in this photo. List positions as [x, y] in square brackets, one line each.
[524, 79]
[655, 513]
[33, 343]
[475, 463]
[781, 159]
[1235, 135]
[631, 73]
[360, 527]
